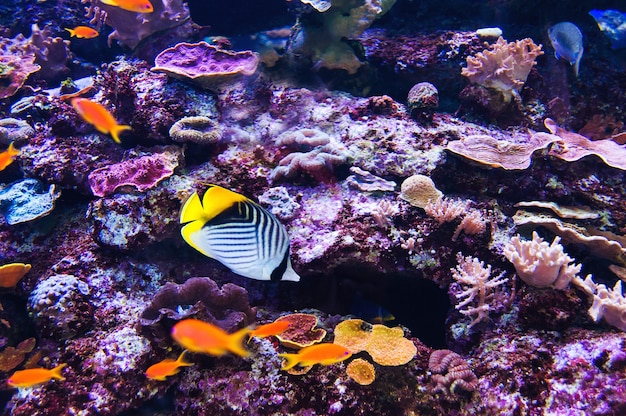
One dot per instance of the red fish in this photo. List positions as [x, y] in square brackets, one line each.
[167, 367]
[137, 6]
[198, 336]
[270, 329]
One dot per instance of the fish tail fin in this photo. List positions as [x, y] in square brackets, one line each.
[72, 31]
[181, 359]
[235, 344]
[12, 151]
[56, 371]
[115, 132]
[291, 360]
[577, 66]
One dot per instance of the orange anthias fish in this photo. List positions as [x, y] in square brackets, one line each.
[271, 329]
[8, 156]
[167, 367]
[99, 116]
[83, 32]
[324, 354]
[34, 376]
[198, 336]
[137, 6]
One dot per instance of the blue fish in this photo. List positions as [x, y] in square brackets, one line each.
[613, 24]
[239, 233]
[567, 41]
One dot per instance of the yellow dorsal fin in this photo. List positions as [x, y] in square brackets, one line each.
[218, 199]
[192, 209]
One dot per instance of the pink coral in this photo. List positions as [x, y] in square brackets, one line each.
[458, 373]
[541, 264]
[142, 172]
[504, 66]
[478, 294]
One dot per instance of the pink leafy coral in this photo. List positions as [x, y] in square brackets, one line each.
[504, 66]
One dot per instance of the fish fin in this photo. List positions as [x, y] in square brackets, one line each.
[181, 360]
[116, 130]
[12, 151]
[192, 209]
[189, 230]
[56, 371]
[291, 360]
[577, 63]
[556, 55]
[72, 31]
[109, 2]
[290, 274]
[235, 342]
[217, 199]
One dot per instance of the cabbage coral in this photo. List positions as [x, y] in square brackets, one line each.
[504, 66]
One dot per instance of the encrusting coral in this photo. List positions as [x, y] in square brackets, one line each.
[27, 200]
[451, 372]
[361, 371]
[196, 129]
[478, 288]
[302, 332]
[15, 131]
[419, 190]
[541, 264]
[608, 304]
[504, 66]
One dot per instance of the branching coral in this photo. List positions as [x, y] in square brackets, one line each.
[504, 66]
[451, 372]
[478, 295]
[541, 264]
[608, 304]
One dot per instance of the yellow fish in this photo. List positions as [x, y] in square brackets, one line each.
[34, 376]
[137, 6]
[83, 32]
[239, 233]
[198, 336]
[99, 116]
[167, 367]
[324, 354]
[8, 156]
[12, 273]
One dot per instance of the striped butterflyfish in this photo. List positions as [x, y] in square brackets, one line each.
[239, 233]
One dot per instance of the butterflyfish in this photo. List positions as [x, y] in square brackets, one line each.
[83, 32]
[567, 41]
[167, 367]
[8, 156]
[324, 354]
[34, 376]
[202, 337]
[137, 6]
[95, 113]
[239, 233]
[269, 330]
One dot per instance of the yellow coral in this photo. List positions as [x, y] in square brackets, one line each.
[361, 371]
[353, 334]
[418, 190]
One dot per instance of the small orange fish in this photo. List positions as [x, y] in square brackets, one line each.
[137, 6]
[99, 116]
[12, 273]
[270, 329]
[83, 32]
[198, 336]
[324, 354]
[8, 156]
[34, 376]
[167, 367]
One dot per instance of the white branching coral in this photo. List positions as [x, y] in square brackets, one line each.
[478, 295]
[608, 304]
[541, 264]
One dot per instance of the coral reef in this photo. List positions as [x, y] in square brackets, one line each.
[15, 131]
[197, 129]
[419, 191]
[26, 200]
[451, 372]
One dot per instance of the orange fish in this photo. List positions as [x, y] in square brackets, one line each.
[34, 376]
[198, 336]
[270, 329]
[83, 32]
[8, 156]
[324, 354]
[137, 6]
[99, 116]
[166, 368]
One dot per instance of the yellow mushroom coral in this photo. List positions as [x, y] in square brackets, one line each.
[361, 371]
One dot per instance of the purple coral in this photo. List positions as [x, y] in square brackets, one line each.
[142, 172]
[452, 372]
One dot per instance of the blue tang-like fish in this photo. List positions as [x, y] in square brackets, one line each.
[613, 24]
[567, 41]
[239, 233]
